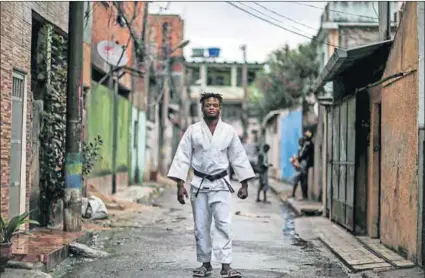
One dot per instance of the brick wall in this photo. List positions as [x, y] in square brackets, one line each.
[155, 23]
[15, 35]
[399, 183]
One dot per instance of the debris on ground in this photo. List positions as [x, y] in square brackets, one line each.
[81, 250]
[251, 215]
[93, 208]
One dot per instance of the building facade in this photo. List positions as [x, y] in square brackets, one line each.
[374, 125]
[343, 30]
[19, 145]
[114, 102]
[226, 79]
[165, 35]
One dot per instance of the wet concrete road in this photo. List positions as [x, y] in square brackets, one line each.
[264, 246]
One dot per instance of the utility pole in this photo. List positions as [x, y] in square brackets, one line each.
[245, 100]
[73, 156]
[113, 82]
[384, 20]
[164, 119]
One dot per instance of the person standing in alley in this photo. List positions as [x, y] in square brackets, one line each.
[306, 159]
[297, 165]
[263, 169]
[209, 146]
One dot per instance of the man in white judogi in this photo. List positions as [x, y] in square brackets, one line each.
[209, 146]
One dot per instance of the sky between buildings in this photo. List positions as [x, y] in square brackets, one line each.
[218, 24]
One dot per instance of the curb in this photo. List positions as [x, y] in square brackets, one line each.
[286, 202]
[46, 262]
[56, 257]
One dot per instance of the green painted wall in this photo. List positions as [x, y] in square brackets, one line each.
[99, 122]
[123, 130]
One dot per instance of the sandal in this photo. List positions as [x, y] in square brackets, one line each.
[201, 271]
[231, 273]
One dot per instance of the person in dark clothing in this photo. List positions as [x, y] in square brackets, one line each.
[263, 169]
[302, 162]
[306, 159]
[296, 163]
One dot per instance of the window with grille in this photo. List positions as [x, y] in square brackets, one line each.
[18, 91]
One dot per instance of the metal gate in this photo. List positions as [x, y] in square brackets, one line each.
[341, 166]
[16, 148]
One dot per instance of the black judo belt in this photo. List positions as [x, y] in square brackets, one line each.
[212, 178]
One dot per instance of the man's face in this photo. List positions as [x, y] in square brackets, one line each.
[211, 108]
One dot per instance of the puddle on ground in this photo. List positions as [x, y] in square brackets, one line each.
[329, 270]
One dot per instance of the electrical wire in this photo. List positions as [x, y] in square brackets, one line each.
[277, 25]
[285, 17]
[260, 12]
[347, 36]
[335, 11]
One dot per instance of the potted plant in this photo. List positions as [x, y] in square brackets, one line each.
[7, 230]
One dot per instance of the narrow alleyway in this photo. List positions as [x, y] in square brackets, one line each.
[264, 246]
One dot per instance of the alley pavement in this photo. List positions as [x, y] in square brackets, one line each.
[264, 245]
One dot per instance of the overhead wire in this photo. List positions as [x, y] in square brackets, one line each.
[264, 7]
[285, 17]
[260, 12]
[335, 11]
[277, 25]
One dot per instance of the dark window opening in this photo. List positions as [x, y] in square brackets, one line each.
[218, 77]
[36, 87]
[252, 74]
[165, 42]
[97, 75]
[195, 76]
[231, 111]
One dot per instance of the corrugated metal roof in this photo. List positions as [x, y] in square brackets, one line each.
[343, 59]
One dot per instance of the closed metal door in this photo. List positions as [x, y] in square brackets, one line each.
[18, 91]
[343, 162]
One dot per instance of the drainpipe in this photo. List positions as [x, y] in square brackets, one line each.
[421, 134]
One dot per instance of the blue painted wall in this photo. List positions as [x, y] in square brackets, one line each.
[290, 132]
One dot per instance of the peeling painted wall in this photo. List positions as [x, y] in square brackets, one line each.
[399, 160]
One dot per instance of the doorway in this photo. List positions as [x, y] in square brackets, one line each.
[362, 162]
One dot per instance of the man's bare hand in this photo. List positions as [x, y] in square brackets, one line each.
[243, 192]
[181, 194]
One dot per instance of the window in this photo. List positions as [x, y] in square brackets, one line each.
[231, 111]
[252, 73]
[195, 75]
[218, 76]
[165, 41]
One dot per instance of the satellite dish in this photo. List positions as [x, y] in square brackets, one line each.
[111, 52]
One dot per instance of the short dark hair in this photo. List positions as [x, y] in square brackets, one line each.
[205, 96]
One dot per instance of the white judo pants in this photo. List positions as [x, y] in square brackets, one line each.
[205, 207]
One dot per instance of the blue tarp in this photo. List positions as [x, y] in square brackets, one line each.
[291, 131]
